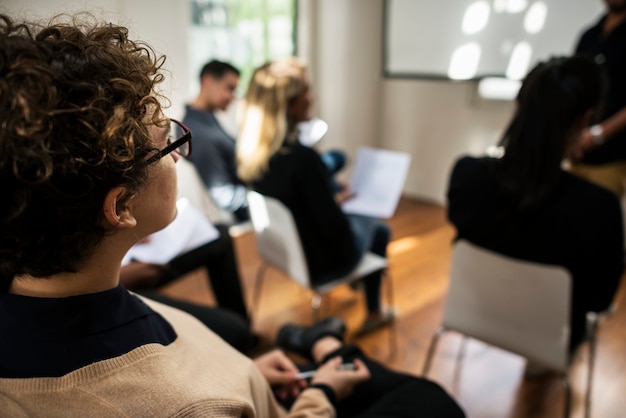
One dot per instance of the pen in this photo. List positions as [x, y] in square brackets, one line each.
[311, 373]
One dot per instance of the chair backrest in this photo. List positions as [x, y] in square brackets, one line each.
[520, 306]
[277, 238]
[190, 185]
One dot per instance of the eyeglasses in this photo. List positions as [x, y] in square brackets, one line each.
[179, 140]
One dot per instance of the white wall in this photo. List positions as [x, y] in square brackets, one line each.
[435, 121]
[161, 23]
[346, 71]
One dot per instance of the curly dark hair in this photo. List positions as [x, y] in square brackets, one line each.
[76, 100]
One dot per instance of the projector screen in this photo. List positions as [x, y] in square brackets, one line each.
[472, 39]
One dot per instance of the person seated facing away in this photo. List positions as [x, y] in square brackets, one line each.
[524, 205]
[274, 163]
[189, 243]
[88, 170]
[214, 152]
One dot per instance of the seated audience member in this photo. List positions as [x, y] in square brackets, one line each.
[526, 206]
[214, 154]
[189, 243]
[273, 162]
[88, 170]
[386, 394]
[214, 148]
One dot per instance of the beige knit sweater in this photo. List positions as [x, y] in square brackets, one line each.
[198, 375]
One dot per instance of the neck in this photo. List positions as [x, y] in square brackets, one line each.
[62, 285]
[99, 273]
[201, 104]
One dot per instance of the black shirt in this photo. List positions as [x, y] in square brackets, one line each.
[610, 53]
[578, 227]
[296, 176]
[50, 337]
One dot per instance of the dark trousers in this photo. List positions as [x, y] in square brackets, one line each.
[231, 327]
[392, 394]
[373, 235]
[218, 257]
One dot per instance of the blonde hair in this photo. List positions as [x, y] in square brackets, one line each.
[264, 124]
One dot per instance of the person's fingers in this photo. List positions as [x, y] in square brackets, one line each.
[281, 377]
[361, 371]
[284, 363]
[281, 393]
[333, 363]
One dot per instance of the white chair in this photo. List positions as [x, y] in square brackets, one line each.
[279, 246]
[190, 185]
[520, 306]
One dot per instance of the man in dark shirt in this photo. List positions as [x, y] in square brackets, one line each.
[214, 149]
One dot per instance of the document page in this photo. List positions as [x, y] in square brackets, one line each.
[190, 229]
[378, 178]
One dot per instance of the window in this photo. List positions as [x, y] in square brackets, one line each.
[245, 33]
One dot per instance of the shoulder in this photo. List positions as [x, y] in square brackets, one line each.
[298, 153]
[590, 195]
[199, 120]
[467, 166]
[193, 115]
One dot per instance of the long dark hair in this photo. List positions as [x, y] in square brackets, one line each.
[553, 97]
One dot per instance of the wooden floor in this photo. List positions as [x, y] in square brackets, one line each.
[488, 382]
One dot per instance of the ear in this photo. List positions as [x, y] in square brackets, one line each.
[207, 81]
[116, 210]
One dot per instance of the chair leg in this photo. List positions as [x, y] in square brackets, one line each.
[460, 356]
[316, 302]
[591, 362]
[568, 396]
[431, 350]
[393, 344]
[257, 290]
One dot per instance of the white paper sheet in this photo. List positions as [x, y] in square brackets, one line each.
[188, 230]
[378, 178]
[312, 131]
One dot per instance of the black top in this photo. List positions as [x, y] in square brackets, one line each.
[298, 178]
[578, 227]
[50, 337]
[610, 52]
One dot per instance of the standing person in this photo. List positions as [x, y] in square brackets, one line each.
[88, 169]
[214, 154]
[524, 205]
[602, 154]
[274, 163]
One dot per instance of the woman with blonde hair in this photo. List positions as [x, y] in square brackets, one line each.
[273, 162]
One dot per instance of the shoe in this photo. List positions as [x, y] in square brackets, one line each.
[534, 370]
[371, 324]
[300, 339]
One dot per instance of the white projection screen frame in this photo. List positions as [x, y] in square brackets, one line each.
[422, 36]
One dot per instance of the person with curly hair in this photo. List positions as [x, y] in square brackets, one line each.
[87, 163]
